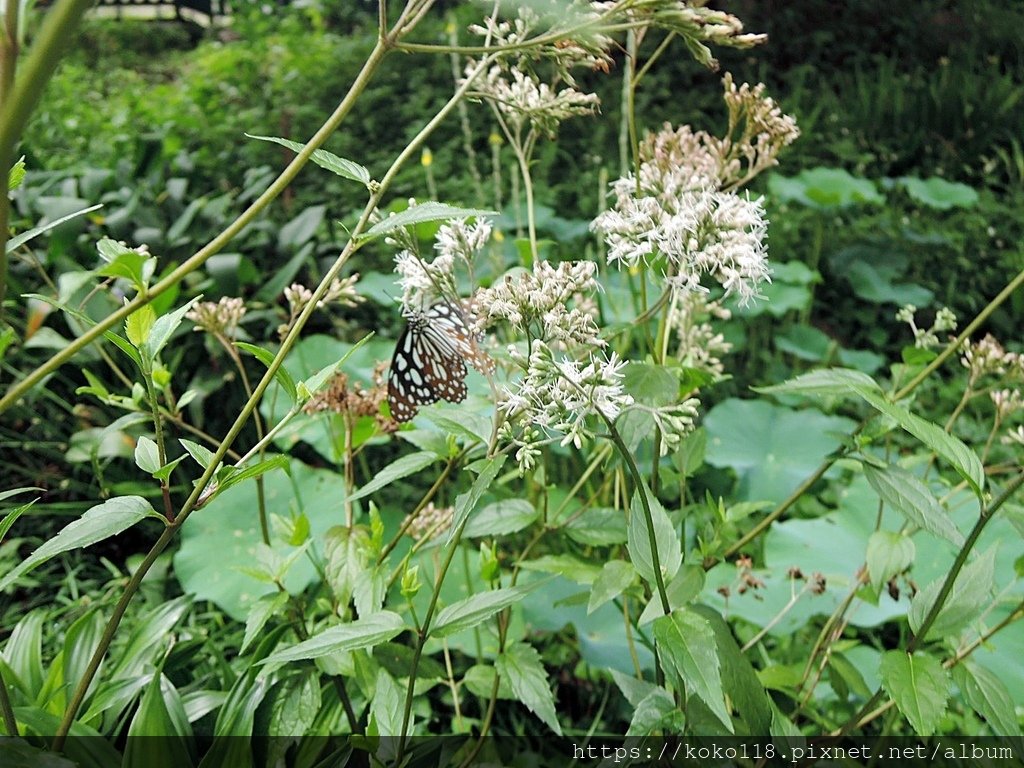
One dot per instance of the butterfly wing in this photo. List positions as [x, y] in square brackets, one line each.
[427, 366]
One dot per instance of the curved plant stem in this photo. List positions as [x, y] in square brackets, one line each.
[424, 633]
[214, 246]
[286, 345]
[865, 713]
[645, 504]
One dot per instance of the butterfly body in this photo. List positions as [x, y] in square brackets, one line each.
[429, 363]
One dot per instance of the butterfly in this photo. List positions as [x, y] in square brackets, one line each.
[430, 358]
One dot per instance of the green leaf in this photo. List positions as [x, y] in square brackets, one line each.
[153, 718]
[988, 696]
[918, 685]
[16, 175]
[633, 689]
[656, 712]
[501, 518]
[466, 502]
[312, 385]
[827, 382]
[910, 497]
[960, 457]
[12, 515]
[615, 577]
[124, 262]
[476, 609]
[294, 705]
[164, 473]
[824, 189]
[963, 604]
[18, 240]
[20, 754]
[771, 449]
[139, 324]
[256, 470]
[201, 454]
[387, 705]
[669, 550]
[266, 357]
[260, 613]
[598, 527]
[362, 633]
[164, 326]
[300, 230]
[888, 554]
[570, 566]
[327, 160]
[688, 644]
[98, 523]
[521, 665]
[417, 214]
[938, 193]
[651, 384]
[147, 456]
[399, 468]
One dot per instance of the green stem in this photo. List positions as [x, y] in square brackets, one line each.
[214, 246]
[24, 93]
[423, 634]
[947, 586]
[645, 504]
[286, 345]
[955, 346]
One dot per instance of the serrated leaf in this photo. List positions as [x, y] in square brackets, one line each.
[201, 454]
[362, 633]
[265, 356]
[139, 324]
[501, 518]
[670, 555]
[147, 456]
[327, 160]
[656, 712]
[387, 705]
[466, 502]
[909, 496]
[294, 705]
[918, 685]
[476, 609]
[417, 214]
[615, 577]
[570, 566]
[521, 664]
[988, 696]
[599, 527]
[98, 523]
[162, 329]
[888, 554]
[970, 591]
[952, 449]
[687, 643]
[396, 470]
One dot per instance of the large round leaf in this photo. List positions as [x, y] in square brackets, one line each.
[772, 449]
[222, 537]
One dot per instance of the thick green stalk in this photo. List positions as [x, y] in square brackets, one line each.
[6, 710]
[214, 246]
[22, 97]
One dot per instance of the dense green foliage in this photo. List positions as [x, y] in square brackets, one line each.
[906, 187]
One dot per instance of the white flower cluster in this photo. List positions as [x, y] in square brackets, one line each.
[674, 422]
[220, 318]
[700, 346]
[988, 358]
[927, 338]
[696, 228]
[523, 99]
[537, 303]
[422, 281]
[558, 395]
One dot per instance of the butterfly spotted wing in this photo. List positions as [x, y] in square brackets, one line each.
[429, 363]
